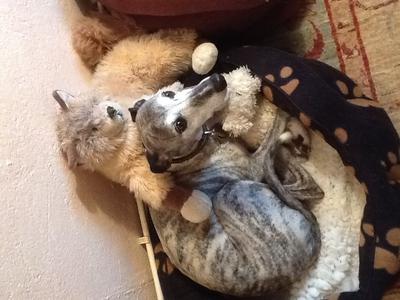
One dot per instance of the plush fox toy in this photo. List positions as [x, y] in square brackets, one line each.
[95, 130]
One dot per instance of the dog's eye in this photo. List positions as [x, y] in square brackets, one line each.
[168, 94]
[180, 125]
[94, 129]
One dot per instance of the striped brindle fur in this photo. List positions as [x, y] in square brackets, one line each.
[259, 237]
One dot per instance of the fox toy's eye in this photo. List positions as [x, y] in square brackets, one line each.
[180, 125]
[168, 94]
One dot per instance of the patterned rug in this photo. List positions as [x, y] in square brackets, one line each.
[361, 38]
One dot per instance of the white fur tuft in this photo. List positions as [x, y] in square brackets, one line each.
[286, 137]
[243, 89]
[175, 87]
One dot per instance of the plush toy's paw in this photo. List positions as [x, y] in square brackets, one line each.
[204, 58]
[197, 208]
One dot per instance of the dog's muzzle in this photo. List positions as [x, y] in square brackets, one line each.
[156, 163]
[216, 83]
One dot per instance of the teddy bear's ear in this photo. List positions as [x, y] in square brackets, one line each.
[63, 98]
[133, 110]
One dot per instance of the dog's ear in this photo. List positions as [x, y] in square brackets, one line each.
[63, 98]
[133, 110]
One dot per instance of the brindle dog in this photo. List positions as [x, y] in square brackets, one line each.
[259, 237]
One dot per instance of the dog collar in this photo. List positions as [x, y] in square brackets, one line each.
[216, 131]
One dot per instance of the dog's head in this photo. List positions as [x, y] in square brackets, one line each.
[171, 121]
[89, 128]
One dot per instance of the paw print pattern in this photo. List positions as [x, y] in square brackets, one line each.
[288, 87]
[386, 260]
[352, 171]
[364, 102]
[367, 230]
[342, 87]
[393, 237]
[392, 166]
[341, 135]
[357, 96]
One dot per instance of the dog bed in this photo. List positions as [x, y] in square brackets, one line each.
[333, 106]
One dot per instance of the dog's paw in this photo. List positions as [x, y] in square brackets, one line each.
[197, 207]
[296, 138]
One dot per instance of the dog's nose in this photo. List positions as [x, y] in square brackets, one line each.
[157, 164]
[158, 169]
[219, 82]
[111, 111]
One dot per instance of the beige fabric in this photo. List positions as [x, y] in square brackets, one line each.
[361, 38]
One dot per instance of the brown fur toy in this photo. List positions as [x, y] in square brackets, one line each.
[142, 64]
[93, 37]
[94, 129]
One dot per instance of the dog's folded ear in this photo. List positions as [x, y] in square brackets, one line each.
[133, 110]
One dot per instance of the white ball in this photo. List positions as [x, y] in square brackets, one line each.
[197, 208]
[204, 58]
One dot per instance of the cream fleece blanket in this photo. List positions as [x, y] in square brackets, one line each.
[339, 215]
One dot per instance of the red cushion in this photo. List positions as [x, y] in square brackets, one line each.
[178, 7]
[207, 16]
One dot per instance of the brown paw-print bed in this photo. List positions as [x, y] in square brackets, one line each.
[326, 100]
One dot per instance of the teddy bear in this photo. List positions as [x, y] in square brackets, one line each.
[93, 128]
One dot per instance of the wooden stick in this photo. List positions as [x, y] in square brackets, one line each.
[149, 248]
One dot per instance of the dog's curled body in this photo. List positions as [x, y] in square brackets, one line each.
[255, 242]
[247, 251]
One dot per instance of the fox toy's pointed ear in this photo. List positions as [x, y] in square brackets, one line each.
[63, 98]
[133, 110]
[72, 157]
